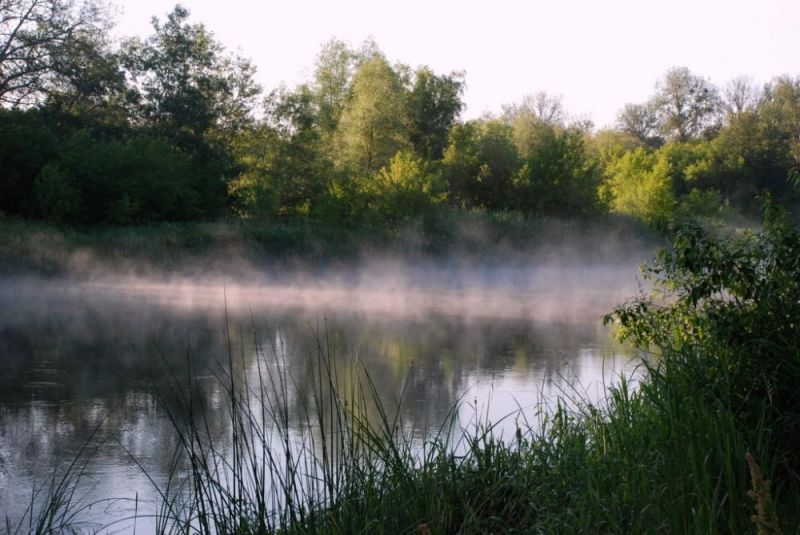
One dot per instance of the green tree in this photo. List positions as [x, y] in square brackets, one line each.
[779, 115]
[405, 189]
[187, 85]
[333, 72]
[499, 160]
[373, 125]
[691, 165]
[460, 164]
[730, 323]
[283, 168]
[639, 184]
[758, 148]
[434, 105]
[534, 121]
[607, 144]
[558, 177]
[479, 164]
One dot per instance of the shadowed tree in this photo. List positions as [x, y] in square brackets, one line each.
[37, 39]
[186, 82]
[190, 91]
[434, 105]
[641, 121]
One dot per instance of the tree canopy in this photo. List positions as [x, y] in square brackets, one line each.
[42, 44]
[172, 126]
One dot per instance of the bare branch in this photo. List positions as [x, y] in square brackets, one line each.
[32, 35]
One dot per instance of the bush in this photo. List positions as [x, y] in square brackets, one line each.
[735, 303]
[405, 189]
[639, 184]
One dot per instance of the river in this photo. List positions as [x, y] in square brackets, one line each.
[101, 358]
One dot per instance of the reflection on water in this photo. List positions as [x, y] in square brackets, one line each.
[88, 359]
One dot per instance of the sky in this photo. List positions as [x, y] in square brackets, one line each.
[596, 54]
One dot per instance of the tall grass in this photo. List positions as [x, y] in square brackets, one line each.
[658, 456]
[57, 505]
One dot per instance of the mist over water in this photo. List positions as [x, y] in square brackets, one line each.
[96, 348]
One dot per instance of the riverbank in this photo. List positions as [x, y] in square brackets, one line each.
[239, 245]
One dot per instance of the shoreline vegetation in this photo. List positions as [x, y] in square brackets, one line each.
[173, 128]
[231, 246]
[703, 442]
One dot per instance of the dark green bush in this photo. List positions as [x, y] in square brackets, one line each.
[735, 303]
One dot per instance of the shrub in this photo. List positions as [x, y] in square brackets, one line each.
[735, 302]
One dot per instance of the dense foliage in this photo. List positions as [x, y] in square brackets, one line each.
[736, 303]
[173, 127]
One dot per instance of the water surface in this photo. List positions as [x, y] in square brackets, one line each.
[98, 358]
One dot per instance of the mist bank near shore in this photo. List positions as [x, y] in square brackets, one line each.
[473, 266]
[245, 249]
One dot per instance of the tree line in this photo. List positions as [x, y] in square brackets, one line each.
[174, 127]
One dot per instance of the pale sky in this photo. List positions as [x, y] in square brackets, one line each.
[597, 54]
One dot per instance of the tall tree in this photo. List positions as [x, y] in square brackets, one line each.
[333, 72]
[542, 107]
[373, 124]
[189, 90]
[282, 168]
[186, 82]
[739, 96]
[434, 105]
[688, 106]
[642, 122]
[534, 121]
[36, 36]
